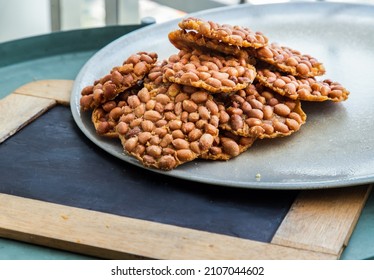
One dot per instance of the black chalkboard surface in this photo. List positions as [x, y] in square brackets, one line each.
[51, 160]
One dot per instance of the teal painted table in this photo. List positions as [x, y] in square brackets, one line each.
[61, 56]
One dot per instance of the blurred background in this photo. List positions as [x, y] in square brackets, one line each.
[24, 18]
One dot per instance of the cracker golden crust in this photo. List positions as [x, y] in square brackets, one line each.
[289, 60]
[307, 89]
[166, 128]
[120, 78]
[105, 117]
[259, 112]
[227, 146]
[233, 35]
[190, 41]
[104, 126]
[213, 73]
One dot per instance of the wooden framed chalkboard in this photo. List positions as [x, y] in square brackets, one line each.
[52, 194]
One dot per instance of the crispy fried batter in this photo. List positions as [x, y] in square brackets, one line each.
[120, 78]
[307, 89]
[164, 129]
[213, 73]
[227, 146]
[232, 35]
[258, 112]
[289, 60]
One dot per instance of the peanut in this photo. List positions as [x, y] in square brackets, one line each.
[199, 97]
[213, 82]
[281, 127]
[302, 68]
[185, 155]
[206, 141]
[144, 95]
[133, 101]
[282, 110]
[115, 113]
[147, 125]
[256, 113]
[175, 124]
[140, 68]
[140, 110]
[143, 137]
[102, 127]
[194, 135]
[189, 106]
[117, 77]
[87, 90]
[152, 115]
[122, 128]
[167, 162]
[236, 122]
[230, 147]
[292, 124]
[166, 140]
[131, 144]
[189, 77]
[187, 127]
[204, 113]
[177, 134]
[180, 143]
[154, 151]
[162, 98]
[265, 52]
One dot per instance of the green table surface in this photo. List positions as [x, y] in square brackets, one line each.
[60, 56]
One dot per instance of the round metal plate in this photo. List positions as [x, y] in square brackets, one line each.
[335, 146]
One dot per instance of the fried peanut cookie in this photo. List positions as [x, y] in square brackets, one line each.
[189, 41]
[233, 35]
[289, 60]
[307, 89]
[228, 145]
[213, 73]
[164, 130]
[120, 78]
[259, 112]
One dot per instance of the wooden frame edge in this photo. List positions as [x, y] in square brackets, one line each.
[117, 237]
[314, 211]
[30, 101]
[18, 111]
[58, 90]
